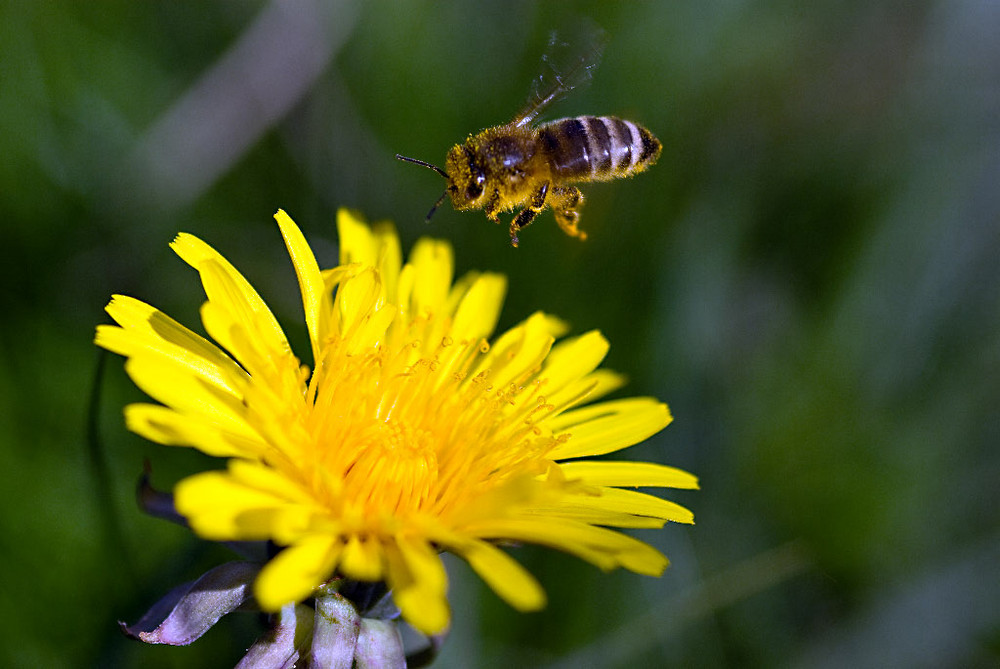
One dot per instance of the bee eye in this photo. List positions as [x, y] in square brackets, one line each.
[473, 191]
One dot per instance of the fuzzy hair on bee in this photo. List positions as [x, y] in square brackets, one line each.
[529, 167]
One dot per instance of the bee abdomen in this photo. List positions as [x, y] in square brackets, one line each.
[598, 147]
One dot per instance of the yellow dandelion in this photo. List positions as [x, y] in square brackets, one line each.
[412, 434]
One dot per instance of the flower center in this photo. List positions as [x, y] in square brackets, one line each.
[394, 469]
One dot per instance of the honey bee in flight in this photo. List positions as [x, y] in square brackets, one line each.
[520, 165]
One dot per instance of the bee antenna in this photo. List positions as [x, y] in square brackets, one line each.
[436, 205]
[428, 165]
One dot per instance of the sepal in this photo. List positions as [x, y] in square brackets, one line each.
[189, 610]
[283, 645]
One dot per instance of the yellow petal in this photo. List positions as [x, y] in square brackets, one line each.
[602, 547]
[504, 575]
[630, 502]
[419, 584]
[172, 384]
[278, 415]
[166, 426]
[362, 559]
[373, 330]
[609, 426]
[424, 563]
[252, 337]
[628, 474]
[235, 294]
[433, 267]
[593, 516]
[283, 525]
[146, 329]
[459, 290]
[357, 245]
[389, 258]
[404, 293]
[250, 501]
[259, 476]
[315, 299]
[518, 352]
[214, 503]
[476, 312]
[295, 572]
[573, 358]
[593, 386]
[362, 312]
[479, 310]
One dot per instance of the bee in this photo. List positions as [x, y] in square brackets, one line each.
[529, 167]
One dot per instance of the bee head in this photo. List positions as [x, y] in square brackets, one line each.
[466, 177]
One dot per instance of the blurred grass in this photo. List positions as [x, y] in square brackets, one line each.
[809, 278]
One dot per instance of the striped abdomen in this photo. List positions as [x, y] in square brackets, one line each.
[597, 147]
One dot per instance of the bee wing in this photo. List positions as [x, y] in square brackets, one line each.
[566, 64]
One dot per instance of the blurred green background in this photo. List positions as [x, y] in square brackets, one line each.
[809, 277]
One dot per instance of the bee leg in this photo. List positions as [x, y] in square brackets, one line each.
[566, 202]
[527, 215]
[492, 206]
[522, 220]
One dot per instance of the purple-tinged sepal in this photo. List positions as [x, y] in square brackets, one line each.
[189, 610]
[284, 644]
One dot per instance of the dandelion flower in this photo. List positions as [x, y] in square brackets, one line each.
[413, 433]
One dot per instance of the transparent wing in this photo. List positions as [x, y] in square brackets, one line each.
[568, 63]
